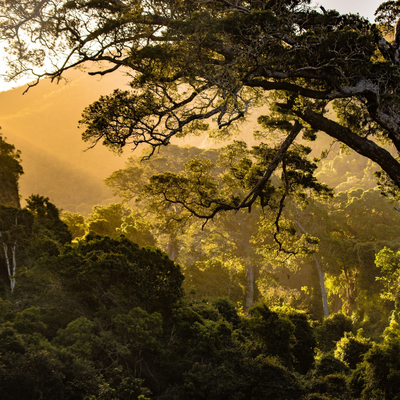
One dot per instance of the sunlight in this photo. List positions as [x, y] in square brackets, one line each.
[4, 85]
[366, 8]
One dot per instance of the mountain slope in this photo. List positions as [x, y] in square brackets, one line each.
[43, 125]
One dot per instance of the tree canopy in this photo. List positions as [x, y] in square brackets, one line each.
[191, 61]
[10, 172]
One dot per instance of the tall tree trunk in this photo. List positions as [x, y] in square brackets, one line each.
[172, 247]
[321, 279]
[250, 287]
[14, 267]
[11, 265]
[322, 284]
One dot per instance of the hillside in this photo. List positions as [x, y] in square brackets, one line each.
[43, 124]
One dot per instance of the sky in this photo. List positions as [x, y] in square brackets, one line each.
[366, 8]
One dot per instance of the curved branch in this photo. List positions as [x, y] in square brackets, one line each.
[252, 196]
[255, 192]
[362, 146]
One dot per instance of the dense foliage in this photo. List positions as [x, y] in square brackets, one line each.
[107, 319]
[10, 171]
[108, 315]
[102, 317]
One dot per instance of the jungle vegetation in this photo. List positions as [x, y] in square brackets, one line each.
[243, 271]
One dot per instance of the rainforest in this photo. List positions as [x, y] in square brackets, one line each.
[222, 224]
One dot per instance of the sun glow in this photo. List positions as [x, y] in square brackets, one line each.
[4, 85]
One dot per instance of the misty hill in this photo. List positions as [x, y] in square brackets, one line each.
[43, 125]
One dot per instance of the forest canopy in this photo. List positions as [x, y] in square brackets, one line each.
[91, 309]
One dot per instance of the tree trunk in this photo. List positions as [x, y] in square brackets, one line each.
[322, 284]
[321, 279]
[11, 269]
[11, 265]
[172, 248]
[250, 288]
[361, 145]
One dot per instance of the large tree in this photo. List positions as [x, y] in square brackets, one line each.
[191, 61]
[10, 172]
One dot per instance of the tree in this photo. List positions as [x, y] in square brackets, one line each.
[116, 219]
[28, 234]
[15, 231]
[352, 228]
[332, 330]
[100, 275]
[10, 172]
[113, 220]
[388, 262]
[223, 253]
[128, 184]
[76, 223]
[48, 228]
[105, 220]
[273, 333]
[224, 247]
[193, 61]
[351, 349]
[378, 375]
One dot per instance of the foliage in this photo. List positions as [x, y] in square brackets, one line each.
[285, 333]
[113, 220]
[10, 160]
[332, 330]
[333, 386]
[127, 183]
[275, 333]
[119, 274]
[32, 367]
[346, 233]
[105, 220]
[49, 231]
[379, 373]
[327, 365]
[351, 349]
[352, 228]
[215, 278]
[27, 234]
[10, 172]
[388, 262]
[106, 318]
[304, 348]
[75, 222]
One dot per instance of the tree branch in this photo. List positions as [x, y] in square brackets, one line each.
[361, 145]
